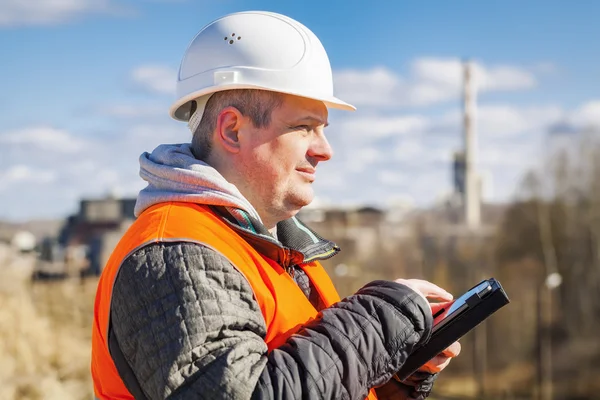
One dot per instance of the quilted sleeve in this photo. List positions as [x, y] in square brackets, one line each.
[185, 325]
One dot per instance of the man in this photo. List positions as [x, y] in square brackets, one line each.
[216, 292]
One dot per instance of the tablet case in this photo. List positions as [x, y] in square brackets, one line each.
[478, 309]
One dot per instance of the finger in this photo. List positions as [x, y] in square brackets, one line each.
[439, 295]
[436, 364]
[452, 351]
[432, 291]
[426, 289]
[412, 285]
[435, 307]
[440, 310]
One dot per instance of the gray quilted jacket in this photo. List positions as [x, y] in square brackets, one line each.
[185, 325]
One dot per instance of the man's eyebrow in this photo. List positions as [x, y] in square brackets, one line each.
[314, 119]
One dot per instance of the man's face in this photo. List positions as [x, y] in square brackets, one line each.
[279, 162]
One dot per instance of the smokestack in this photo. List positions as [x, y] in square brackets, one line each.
[472, 191]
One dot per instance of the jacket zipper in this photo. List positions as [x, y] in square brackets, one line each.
[287, 257]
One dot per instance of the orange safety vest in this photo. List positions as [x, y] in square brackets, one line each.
[284, 306]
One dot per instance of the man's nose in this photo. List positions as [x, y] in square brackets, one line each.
[320, 148]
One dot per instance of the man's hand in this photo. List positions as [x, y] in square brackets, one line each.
[441, 361]
[427, 290]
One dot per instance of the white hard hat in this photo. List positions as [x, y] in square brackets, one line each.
[254, 50]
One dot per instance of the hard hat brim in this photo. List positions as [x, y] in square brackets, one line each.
[180, 110]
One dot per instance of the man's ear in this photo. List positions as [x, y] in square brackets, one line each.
[229, 123]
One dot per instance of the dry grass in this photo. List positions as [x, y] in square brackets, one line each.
[45, 336]
[46, 332]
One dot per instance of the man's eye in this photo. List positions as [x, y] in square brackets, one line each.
[304, 127]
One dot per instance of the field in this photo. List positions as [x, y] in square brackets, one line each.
[46, 330]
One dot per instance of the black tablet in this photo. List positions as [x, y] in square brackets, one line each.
[464, 314]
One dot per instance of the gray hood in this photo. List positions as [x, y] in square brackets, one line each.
[174, 174]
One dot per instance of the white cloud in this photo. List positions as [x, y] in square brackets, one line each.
[379, 154]
[545, 68]
[504, 121]
[588, 115]
[503, 78]
[371, 128]
[155, 78]
[448, 74]
[148, 136]
[391, 178]
[50, 12]
[395, 154]
[369, 155]
[417, 151]
[374, 87]
[54, 12]
[431, 81]
[409, 150]
[411, 155]
[73, 167]
[584, 118]
[45, 138]
[521, 155]
[130, 111]
[444, 72]
[21, 173]
[364, 158]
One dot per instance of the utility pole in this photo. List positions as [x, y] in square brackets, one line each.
[552, 280]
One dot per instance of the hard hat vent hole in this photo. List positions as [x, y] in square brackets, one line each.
[232, 39]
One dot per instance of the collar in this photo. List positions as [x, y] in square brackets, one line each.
[296, 243]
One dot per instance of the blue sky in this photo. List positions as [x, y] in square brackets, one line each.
[86, 85]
